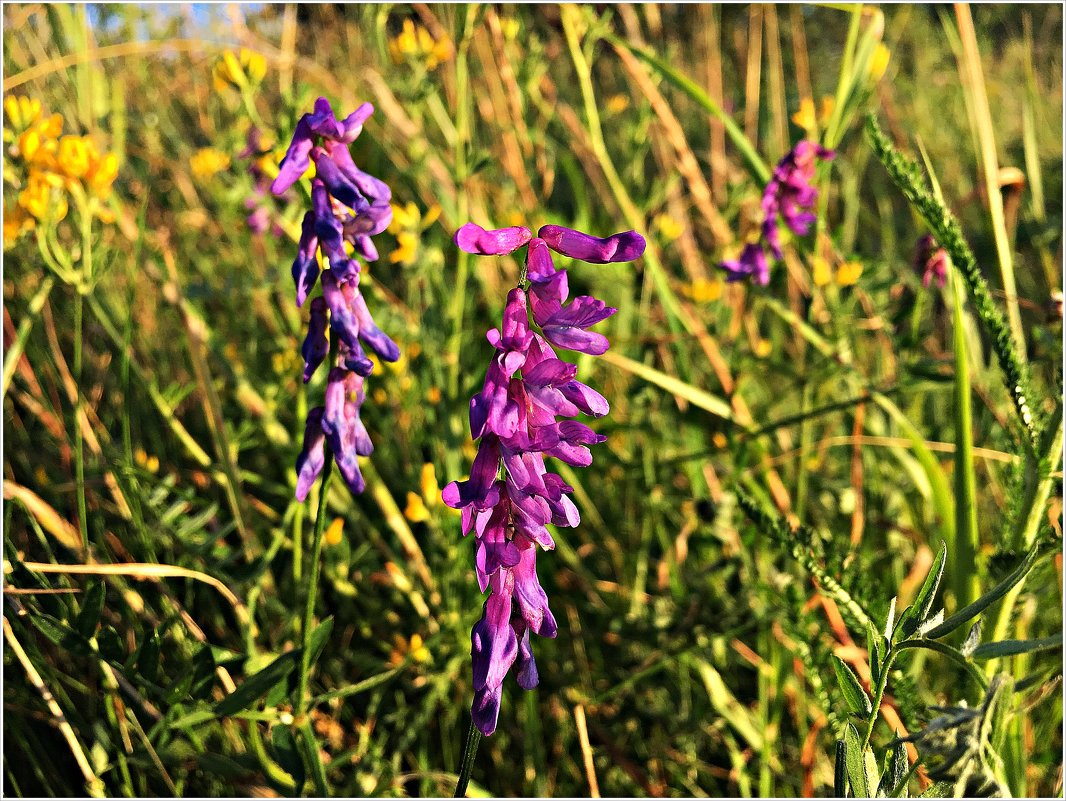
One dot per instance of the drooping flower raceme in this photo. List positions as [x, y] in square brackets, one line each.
[789, 198]
[931, 262]
[347, 207]
[510, 497]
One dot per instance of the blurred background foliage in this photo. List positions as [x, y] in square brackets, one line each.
[694, 653]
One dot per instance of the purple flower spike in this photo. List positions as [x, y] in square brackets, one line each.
[931, 262]
[316, 344]
[348, 207]
[475, 239]
[618, 247]
[510, 498]
[789, 199]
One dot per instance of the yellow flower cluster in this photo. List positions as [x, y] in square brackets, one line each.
[407, 226]
[806, 118]
[415, 43]
[53, 164]
[207, 161]
[238, 70]
[418, 506]
[847, 273]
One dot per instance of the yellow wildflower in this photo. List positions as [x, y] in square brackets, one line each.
[879, 62]
[37, 144]
[102, 173]
[416, 510]
[416, 43]
[820, 271]
[207, 162]
[16, 223]
[246, 68]
[21, 112]
[406, 250]
[509, 26]
[668, 228]
[703, 290]
[433, 395]
[848, 273]
[430, 487]
[75, 155]
[616, 104]
[826, 111]
[404, 217]
[805, 118]
[415, 647]
[334, 532]
[763, 348]
[40, 199]
[719, 440]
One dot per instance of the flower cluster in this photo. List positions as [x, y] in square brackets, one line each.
[788, 198]
[931, 262]
[241, 70]
[50, 166]
[527, 388]
[348, 207]
[257, 154]
[414, 43]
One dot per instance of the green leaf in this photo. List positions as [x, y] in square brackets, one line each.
[110, 644]
[319, 638]
[939, 790]
[994, 650]
[288, 755]
[857, 763]
[257, 685]
[917, 612]
[92, 606]
[193, 719]
[61, 634]
[148, 657]
[858, 701]
[986, 600]
[897, 769]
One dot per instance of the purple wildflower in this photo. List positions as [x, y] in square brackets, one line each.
[511, 498]
[931, 261]
[260, 208]
[789, 198]
[347, 207]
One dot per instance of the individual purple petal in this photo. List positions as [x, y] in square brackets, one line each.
[316, 343]
[352, 125]
[313, 456]
[493, 641]
[515, 334]
[493, 409]
[550, 372]
[364, 246]
[625, 246]
[474, 239]
[322, 121]
[567, 327]
[344, 430]
[548, 296]
[531, 598]
[585, 398]
[751, 264]
[297, 159]
[340, 297]
[486, 708]
[377, 190]
[539, 266]
[305, 267]
[328, 228]
[336, 183]
[369, 332]
[480, 491]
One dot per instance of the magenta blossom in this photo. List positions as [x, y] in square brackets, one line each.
[931, 262]
[348, 207]
[510, 498]
[789, 198]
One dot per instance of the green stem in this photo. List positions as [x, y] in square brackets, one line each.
[312, 585]
[79, 445]
[473, 740]
[14, 353]
[879, 695]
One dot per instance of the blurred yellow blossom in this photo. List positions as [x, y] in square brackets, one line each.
[429, 486]
[848, 273]
[42, 198]
[821, 273]
[616, 104]
[719, 440]
[704, 290]
[416, 43]
[763, 348]
[246, 68]
[102, 173]
[207, 161]
[668, 228]
[805, 118]
[433, 395]
[879, 62]
[416, 510]
[74, 156]
[334, 532]
[17, 221]
[21, 112]
[406, 225]
[509, 26]
[415, 647]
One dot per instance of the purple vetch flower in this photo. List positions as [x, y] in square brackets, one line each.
[510, 498]
[259, 205]
[931, 262]
[348, 207]
[788, 199]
